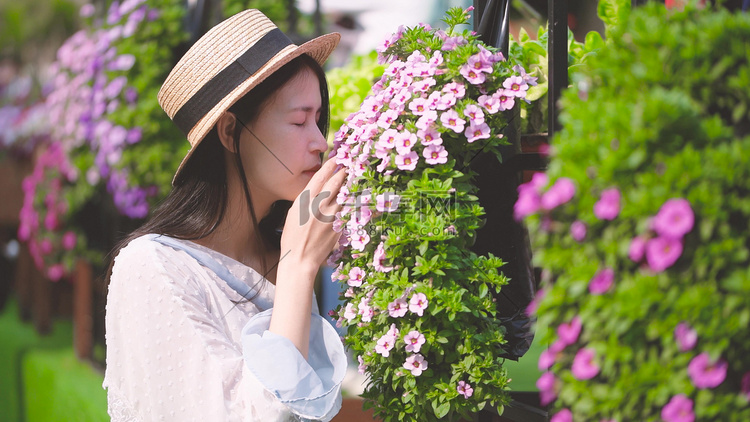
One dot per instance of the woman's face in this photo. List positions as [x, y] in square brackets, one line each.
[282, 148]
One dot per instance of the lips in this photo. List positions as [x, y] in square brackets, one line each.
[313, 169]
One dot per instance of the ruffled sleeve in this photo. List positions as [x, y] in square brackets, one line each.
[310, 387]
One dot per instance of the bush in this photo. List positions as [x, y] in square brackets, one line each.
[642, 225]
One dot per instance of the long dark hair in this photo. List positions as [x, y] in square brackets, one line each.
[197, 203]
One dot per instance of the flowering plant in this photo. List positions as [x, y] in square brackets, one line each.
[419, 304]
[641, 226]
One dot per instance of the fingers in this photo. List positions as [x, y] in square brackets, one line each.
[315, 185]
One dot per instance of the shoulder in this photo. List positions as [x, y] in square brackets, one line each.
[145, 258]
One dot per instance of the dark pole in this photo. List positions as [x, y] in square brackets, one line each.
[557, 58]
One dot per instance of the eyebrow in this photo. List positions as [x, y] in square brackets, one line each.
[306, 109]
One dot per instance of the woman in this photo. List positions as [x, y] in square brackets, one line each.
[210, 312]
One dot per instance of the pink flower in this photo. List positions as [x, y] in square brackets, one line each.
[451, 120]
[637, 248]
[384, 345]
[418, 303]
[477, 131]
[361, 368]
[679, 409]
[661, 253]
[559, 193]
[458, 90]
[534, 304]
[378, 258]
[602, 281]
[387, 118]
[584, 367]
[707, 374]
[568, 332]
[464, 389]
[360, 239]
[405, 141]
[472, 75]
[686, 337]
[407, 161]
[489, 103]
[387, 140]
[416, 364]
[356, 275]
[674, 219]
[414, 341]
[608, 206]
[397, 308]
[505, 100]
[349, 312]
[578, 230]
[418, 106]
[474, 113]
[480, 63]
[387, 202]
[435, 154]
[547, 385]
[516, 86]
[529, 201]
[429, 136]
[564, 415]
[547, 358]
[56, 272]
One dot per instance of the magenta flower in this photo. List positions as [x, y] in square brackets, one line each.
[637, 248]
[679, 409]
[464, 389]
[407, 161]
[568, 332]
[384, 345]
[564, 415]
[547, 384]
[685, 336]
[414, 341]
[397, 308]
[435, 154]
[416, 364]
[559, 193]
[674, 219]
[534, 304]
[547, 358]
[662, 252]
[745, 386]
[578, 230]
[451, 120]
[602, 281]
[707, 374]
[356, 275]
[387, 202]
[584, 367]
[418, 303]
[608, 206]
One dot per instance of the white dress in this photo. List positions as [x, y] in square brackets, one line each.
[183, 344]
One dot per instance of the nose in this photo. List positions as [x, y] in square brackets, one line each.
[318, 143]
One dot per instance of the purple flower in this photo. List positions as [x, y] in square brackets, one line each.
[602, 281]
[56, 272]
[608, 206]
[674, 219]
[69, 240]
[584, 367]
[564, 415]
[464, 389]
[578, 230]
[568, 332]
[707, 374]
[679, 409]
[686, 337]
[559, 193]
[661, 253]
[637, 248]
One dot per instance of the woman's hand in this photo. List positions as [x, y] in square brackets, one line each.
[307, 240]
[308, 236]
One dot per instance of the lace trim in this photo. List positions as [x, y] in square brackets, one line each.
[119, 409]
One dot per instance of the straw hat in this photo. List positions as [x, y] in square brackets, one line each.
[224, 65]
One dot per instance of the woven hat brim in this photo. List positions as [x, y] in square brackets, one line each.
[319, 49]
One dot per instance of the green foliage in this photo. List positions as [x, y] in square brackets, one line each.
[350, 84]
[661, 112]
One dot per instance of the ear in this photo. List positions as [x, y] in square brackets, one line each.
[225, 128]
